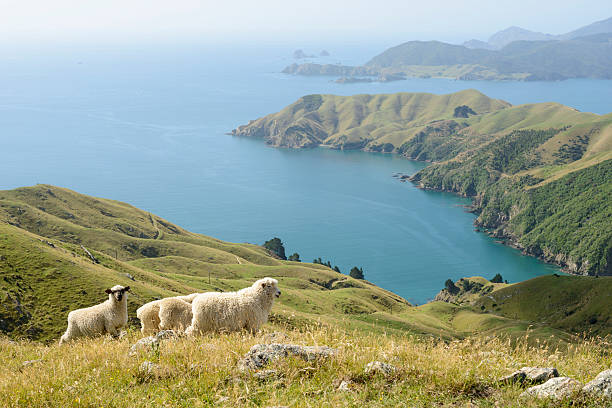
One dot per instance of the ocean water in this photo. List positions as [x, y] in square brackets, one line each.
[147, 125]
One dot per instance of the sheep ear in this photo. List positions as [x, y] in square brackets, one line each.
[127, 288]
[108, 291]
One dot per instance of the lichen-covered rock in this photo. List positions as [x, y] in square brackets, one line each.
[533, 375]
[166, 334]
[556, 388]
[601, 385]
[144, 343]
[378, 367]
[346, 386]
[261, 355]
[148, 369]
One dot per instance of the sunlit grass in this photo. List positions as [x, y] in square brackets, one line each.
[203, 371]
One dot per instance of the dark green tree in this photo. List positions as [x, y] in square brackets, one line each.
[497, 279]
[451, 287]
[275, 245]
[337, 269]
[295, 257]
[356, 273]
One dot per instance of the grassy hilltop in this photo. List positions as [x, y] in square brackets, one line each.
[46, 272]
[540, 174]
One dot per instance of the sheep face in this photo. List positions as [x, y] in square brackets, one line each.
[117, 292]
[269, 286]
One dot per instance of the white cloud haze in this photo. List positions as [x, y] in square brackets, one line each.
[39, 20]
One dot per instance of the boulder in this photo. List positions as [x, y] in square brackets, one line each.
[261, 355]
[152, 341]
[144, 343]
[378, 367]
[556, 388]
[533, 375]
[601, 385]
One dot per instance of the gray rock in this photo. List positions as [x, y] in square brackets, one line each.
[166, 334]
[601, 385]
[378, 367]
[345, 386]
[144, 343]
[556, 388]
[148, 369]
[533, 375]
[261, 355]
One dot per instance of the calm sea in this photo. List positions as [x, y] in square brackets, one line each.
[147, 125]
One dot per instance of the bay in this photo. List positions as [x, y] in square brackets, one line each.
[147, 125]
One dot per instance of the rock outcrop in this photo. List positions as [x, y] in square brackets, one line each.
[601, 385]
[556, 388]
[260, 355]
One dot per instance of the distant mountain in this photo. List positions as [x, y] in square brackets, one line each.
[583, 57]
[504, 37]
[599, 27]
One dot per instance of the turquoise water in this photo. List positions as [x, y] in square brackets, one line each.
[148, 127]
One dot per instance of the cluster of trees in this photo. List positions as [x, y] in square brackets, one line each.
[276, 246]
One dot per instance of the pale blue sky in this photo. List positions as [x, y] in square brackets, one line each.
[395, 20]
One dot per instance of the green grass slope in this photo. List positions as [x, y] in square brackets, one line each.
[45, 272]
[583, 304]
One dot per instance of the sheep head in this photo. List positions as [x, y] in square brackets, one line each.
[117, 293]
[269, 286]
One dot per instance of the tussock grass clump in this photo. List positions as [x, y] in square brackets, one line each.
[203, 371]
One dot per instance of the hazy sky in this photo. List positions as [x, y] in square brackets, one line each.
[401, 20]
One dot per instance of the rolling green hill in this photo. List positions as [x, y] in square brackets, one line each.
[539, 173]
[45, 271]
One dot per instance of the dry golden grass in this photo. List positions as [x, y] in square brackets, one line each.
[203, 372]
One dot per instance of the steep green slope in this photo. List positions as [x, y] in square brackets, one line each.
[583, 304]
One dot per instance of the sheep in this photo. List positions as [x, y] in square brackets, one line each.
[176, 313]
[233, 311]
[106, 318]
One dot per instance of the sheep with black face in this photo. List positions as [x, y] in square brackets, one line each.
[246, 309]
[106, 318]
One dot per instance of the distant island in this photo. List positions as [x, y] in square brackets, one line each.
[511, 54]
[539, 174]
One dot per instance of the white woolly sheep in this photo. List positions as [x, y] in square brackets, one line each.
[233, 311]
[176, 312]
[106, 318]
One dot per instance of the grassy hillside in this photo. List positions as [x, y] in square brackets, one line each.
[539, 173]
[582, 303]
[46, 272]
[203, 371]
